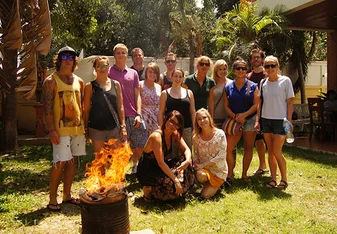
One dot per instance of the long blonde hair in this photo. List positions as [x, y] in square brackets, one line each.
[216, 68]
[197, 128]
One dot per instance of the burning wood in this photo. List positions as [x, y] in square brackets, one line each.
[106, 173]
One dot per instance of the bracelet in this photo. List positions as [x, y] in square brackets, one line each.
[122, 126]
[139, 115]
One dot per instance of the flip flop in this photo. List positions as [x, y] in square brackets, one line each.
[54, 207]
[73, 201]
[260, 171]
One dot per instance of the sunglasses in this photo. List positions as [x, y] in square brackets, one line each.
[102, 66]
[241, 68]
[204, 64]
[170, 61]
[270, 66]
[171, 121]
[67, 57]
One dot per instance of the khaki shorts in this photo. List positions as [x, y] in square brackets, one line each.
[69, 146]
[103, 135]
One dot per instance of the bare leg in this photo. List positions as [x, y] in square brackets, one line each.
[231, 143]
[268, 137]
[137, 153]
[98, 145]
[147, 192]
[278, 141]
[249, 138]
[261, 152]
[208, 191]
[201, 176]
[69, 174]
[54, 181]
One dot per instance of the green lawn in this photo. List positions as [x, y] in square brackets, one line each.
[309, 205]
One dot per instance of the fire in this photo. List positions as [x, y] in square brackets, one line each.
[107, 170]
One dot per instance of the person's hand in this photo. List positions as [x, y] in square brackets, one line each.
[183, 166]
[241, 118]
[179, 188]
[257, 127]
[123, 134]
[137, 122]
[54, 137]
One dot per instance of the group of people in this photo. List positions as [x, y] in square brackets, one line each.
[167, 116]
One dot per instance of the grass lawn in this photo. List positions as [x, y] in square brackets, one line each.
[308, 205]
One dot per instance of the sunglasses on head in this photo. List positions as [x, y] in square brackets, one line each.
[241, 68]
[170, 61]
[270, 66]
[102, 66]
[67, 57]
[204, 64]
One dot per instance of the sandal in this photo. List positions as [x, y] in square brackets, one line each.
[282, 185]
[54, 207]
[247, 179]
[73, 201]
[228, 183]
[261, 171]
[271, 184]
[148, 199]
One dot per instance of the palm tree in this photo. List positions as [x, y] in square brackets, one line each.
[25, 32]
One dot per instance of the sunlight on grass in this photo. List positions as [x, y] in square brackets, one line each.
[307, 206]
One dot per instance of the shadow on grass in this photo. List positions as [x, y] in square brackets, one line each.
[310, 155]
[258, 186]
[35, 217]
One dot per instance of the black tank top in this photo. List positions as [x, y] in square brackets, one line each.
[167, 83]
[100, 117]
[182, 105]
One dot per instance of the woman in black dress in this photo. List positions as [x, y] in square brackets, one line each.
[163, 174]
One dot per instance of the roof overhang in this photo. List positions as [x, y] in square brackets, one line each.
[316, 15]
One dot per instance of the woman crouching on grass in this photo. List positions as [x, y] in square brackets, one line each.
[209, 159]
[163, 174]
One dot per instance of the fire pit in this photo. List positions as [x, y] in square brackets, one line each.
[104, 201]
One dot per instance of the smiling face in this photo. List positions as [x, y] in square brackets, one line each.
[240, 69]
[120, 55]
[222, 71]
[67, 60]
[101, 66]
[256, 60]
[151, 75]
[170, 62]
[271, 65]
[177, 77]
[202, 120]
[203, 65]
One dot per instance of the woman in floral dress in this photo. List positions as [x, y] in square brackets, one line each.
[150, 95]
[209, 158]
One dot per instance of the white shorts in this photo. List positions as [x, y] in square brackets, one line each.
[69, 146]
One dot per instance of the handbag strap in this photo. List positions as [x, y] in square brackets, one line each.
[218, 101]
[247, 93]
[261, 96]
[112, 110]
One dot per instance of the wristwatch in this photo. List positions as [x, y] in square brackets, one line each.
[139, 115]
[122, 125]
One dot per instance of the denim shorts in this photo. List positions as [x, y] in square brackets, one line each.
[69, 146]
[136, 136]
[274, 126]
[249, 124]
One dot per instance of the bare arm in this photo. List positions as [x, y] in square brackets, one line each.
[187, 152]
[290, 108]
[211, 102]
[138, 102]
[192, 106]
[162, 108]
[120, 107]
[87, 106]
[48, 95]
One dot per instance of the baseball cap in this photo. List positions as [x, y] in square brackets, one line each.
[67, 49]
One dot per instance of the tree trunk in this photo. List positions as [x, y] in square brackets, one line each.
[301, 83]
[191, 42]
[9, 120]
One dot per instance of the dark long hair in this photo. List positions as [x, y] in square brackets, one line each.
[180, 119]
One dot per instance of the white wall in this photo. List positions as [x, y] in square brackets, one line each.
[289, 4]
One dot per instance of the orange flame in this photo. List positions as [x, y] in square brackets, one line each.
[107, 170]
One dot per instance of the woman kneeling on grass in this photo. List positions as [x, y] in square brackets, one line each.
[209, 159]
[162, 174]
